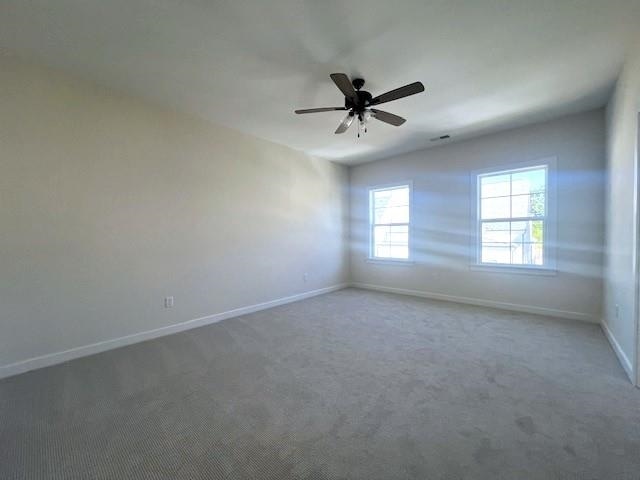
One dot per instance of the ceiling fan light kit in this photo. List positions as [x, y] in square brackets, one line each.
[359, 103]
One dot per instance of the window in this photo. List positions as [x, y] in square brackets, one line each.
[513, 221]
[389, 222]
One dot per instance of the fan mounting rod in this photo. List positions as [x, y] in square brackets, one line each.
[358, 83]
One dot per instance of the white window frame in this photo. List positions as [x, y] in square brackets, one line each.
[550, 220]
[389, 186]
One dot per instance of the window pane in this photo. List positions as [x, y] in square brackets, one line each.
[392, 215]
[493, 232]
[528, 181]
[518, 231]
[509, 195]
[399, 197]
[515, 243]
[517, 254]
[537, 254]
[530, 231]
[494, 186]
[495, 208]
[391, 241]
[526, 253]
[399, 234]
[390, 206]
[391, 198]
[398, 251]
[536, 229]
[381, 235]
[537, 204]
[527, 205]
[496, 253]
[520, 205]
[381, 198]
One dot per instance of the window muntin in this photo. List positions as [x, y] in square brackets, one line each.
[512, 217]
[389, 222]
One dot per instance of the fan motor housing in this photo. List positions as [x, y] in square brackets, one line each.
[364, 98]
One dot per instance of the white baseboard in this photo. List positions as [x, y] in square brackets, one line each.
[624, 360]
[85, 350]
[514, 307]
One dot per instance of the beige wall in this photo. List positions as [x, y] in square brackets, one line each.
[108, 204]
[442, 218]
[622, 192]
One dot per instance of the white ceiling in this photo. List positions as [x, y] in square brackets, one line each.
[487, 64]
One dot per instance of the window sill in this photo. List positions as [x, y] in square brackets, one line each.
[512, 269]
[390, 261]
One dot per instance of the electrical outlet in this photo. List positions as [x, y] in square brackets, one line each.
[617, 311]
[305, 277]
[168, 302]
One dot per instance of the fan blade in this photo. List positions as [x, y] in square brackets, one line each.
[387, 117]
[323, 109]
[401, 92]
[344, 84]
[346, 123]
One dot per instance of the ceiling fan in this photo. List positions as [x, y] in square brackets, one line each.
[359, 103]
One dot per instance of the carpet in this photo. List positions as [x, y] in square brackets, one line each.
[349, 385]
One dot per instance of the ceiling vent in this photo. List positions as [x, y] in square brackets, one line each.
[441, 137]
